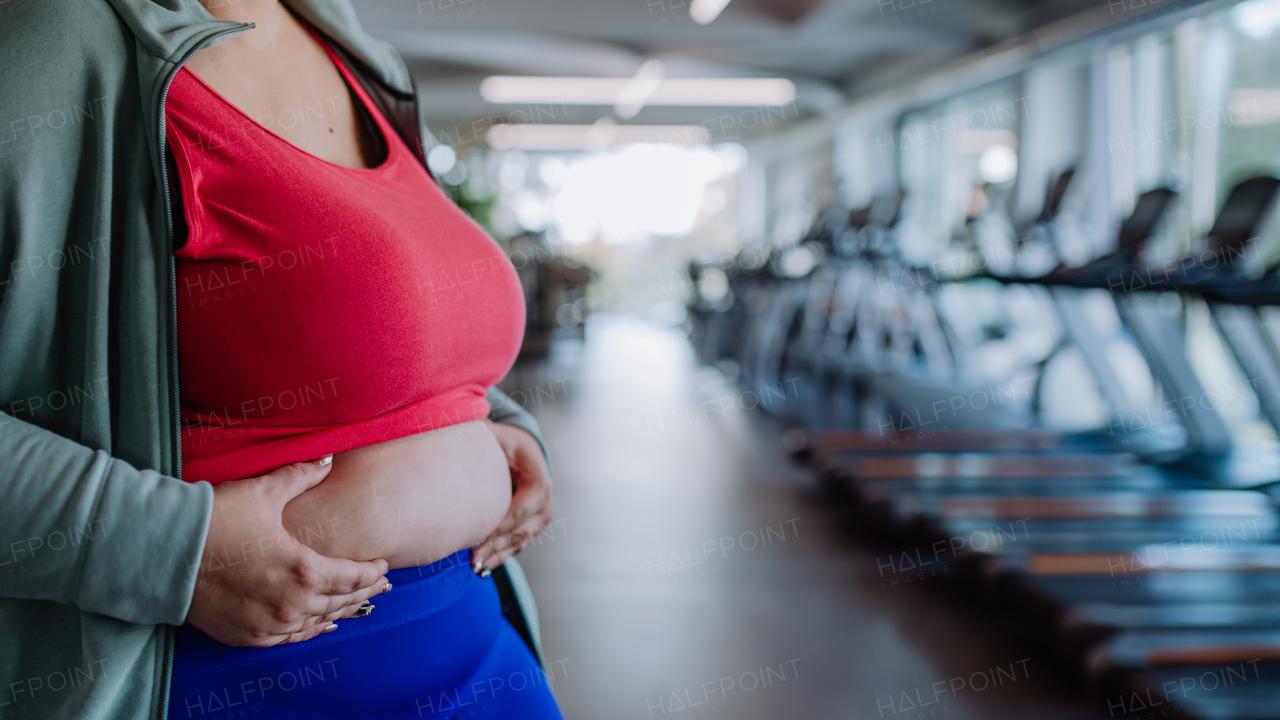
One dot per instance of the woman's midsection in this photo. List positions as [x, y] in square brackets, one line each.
[411, 501]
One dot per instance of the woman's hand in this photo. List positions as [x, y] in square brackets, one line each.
[257, 584]
[530, 509]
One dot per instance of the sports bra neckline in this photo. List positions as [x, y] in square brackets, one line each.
[388, 139]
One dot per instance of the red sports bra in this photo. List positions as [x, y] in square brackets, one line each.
[323, 308]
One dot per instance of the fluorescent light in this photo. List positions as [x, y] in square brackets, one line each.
[568, 90]
[586, 137]
[726, 91]
[642, 86]
[517, 89]
[704, 11]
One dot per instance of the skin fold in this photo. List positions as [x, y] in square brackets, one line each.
[411, 501]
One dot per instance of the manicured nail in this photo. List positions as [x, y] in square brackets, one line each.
[330, 627]
[386, 588]
[365, 609]
[486, 572]
[323, 461]
[479, 564]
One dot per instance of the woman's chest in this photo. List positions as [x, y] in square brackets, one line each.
[337, 286]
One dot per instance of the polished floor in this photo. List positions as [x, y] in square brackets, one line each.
[695, 571]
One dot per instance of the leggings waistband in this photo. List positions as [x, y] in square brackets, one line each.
[416, 593]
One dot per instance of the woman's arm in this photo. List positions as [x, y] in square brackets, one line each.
[80, 527]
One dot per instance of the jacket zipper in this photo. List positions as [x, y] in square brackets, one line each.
[170, 632]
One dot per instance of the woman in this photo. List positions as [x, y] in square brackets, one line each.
[309, 325]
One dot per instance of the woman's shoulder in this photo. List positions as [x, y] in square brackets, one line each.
[65, 64]
[44, 41]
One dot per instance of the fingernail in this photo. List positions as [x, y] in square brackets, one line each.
[386, 588]
[477, 566]
[323, 461]
[330, 627]
[365, 609]
[487, 572]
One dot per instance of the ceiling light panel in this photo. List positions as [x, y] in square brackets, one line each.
[516, 89]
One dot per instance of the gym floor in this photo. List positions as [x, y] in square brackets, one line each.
[695, 571]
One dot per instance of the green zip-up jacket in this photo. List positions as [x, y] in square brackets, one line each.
[99, 539]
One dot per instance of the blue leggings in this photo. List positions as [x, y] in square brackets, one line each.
[436, 647]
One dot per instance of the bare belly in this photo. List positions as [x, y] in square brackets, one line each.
[411, 501]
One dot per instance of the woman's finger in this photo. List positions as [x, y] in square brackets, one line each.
[527, 503]
[337, 576]
[309, 627]
[498, 558]
[517, 515]
[314, 627]
[328, 604]
[529, 513]
[364, 609]
[522, 534]
[509, 522]
[494, 551]
[483, 555]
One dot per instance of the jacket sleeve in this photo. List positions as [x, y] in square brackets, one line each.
[503, 409]
[78, 526]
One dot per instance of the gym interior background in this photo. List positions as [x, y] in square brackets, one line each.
[899, 358]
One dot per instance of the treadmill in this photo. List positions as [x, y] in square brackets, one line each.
[1089, 519]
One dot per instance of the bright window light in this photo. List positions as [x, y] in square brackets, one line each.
[531, 212]
[634, 193]
[998, 164]
[1257, 18]
[552, 171]
[508, 89]
[704, 11]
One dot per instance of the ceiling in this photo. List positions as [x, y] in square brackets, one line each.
[833, 50]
